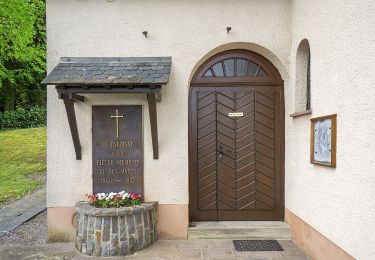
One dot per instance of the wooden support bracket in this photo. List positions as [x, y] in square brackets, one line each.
[69, 96]
[154, 123]
[74, 97]
[158, 96]
[69, 100]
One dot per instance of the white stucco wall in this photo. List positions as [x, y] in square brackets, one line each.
[339, 202]
[187, 31]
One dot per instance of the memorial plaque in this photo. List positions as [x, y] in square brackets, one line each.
[117, 140]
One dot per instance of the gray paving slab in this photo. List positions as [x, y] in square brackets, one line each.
[63, 251]
[239, 224]
[240, 230]
[163, 249]
[15, 214]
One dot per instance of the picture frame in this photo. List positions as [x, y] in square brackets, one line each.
[323, 140]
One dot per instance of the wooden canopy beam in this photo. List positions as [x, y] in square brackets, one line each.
[69, 96]
[154, 123]
[69, 100]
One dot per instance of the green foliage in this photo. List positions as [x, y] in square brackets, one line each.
[22, 162]
[22, 51]
[22, 118]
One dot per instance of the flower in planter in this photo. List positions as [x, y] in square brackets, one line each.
[114, 200]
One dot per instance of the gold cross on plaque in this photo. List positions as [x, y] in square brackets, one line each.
[117, 117]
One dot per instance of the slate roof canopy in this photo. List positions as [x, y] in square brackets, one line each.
[79, 71]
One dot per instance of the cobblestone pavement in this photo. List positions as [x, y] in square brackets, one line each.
[163, 249]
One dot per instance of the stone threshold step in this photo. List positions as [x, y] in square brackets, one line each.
[240, 230]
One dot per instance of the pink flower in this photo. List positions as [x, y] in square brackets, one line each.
[91, 197]
[135, 196]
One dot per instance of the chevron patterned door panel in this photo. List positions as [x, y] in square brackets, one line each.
[237, 156]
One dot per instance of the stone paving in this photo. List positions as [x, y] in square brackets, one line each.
[161, 250]
[14, 215]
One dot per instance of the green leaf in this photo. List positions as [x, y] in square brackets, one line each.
[23, 48]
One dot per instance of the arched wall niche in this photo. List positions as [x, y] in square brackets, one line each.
[246, 46]
[302, 84]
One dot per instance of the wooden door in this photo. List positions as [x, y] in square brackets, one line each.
[236, 139]
[238, 153]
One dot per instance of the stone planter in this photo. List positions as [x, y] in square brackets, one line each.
[115, 231]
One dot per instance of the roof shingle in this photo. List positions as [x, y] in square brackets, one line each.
[75, 71]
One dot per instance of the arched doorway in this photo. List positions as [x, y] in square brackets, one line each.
[236, 139]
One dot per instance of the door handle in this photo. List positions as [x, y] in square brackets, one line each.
[220, 151]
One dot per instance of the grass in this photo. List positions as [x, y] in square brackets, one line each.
[22, 162]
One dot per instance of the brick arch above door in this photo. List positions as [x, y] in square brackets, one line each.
[236, 139]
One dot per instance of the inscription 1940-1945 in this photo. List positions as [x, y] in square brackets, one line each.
[117, 149]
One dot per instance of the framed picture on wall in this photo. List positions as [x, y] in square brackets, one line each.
[323, 140]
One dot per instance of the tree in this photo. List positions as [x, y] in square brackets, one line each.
[22, 50]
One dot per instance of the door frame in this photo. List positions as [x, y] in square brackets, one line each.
[199, 81]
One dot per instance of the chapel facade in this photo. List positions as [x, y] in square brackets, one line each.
[219, 111]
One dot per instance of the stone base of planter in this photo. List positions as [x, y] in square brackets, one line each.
[115, 231]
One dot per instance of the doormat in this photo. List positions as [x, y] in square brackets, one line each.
[257, 245]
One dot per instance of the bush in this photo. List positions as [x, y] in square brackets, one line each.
[22, 118]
